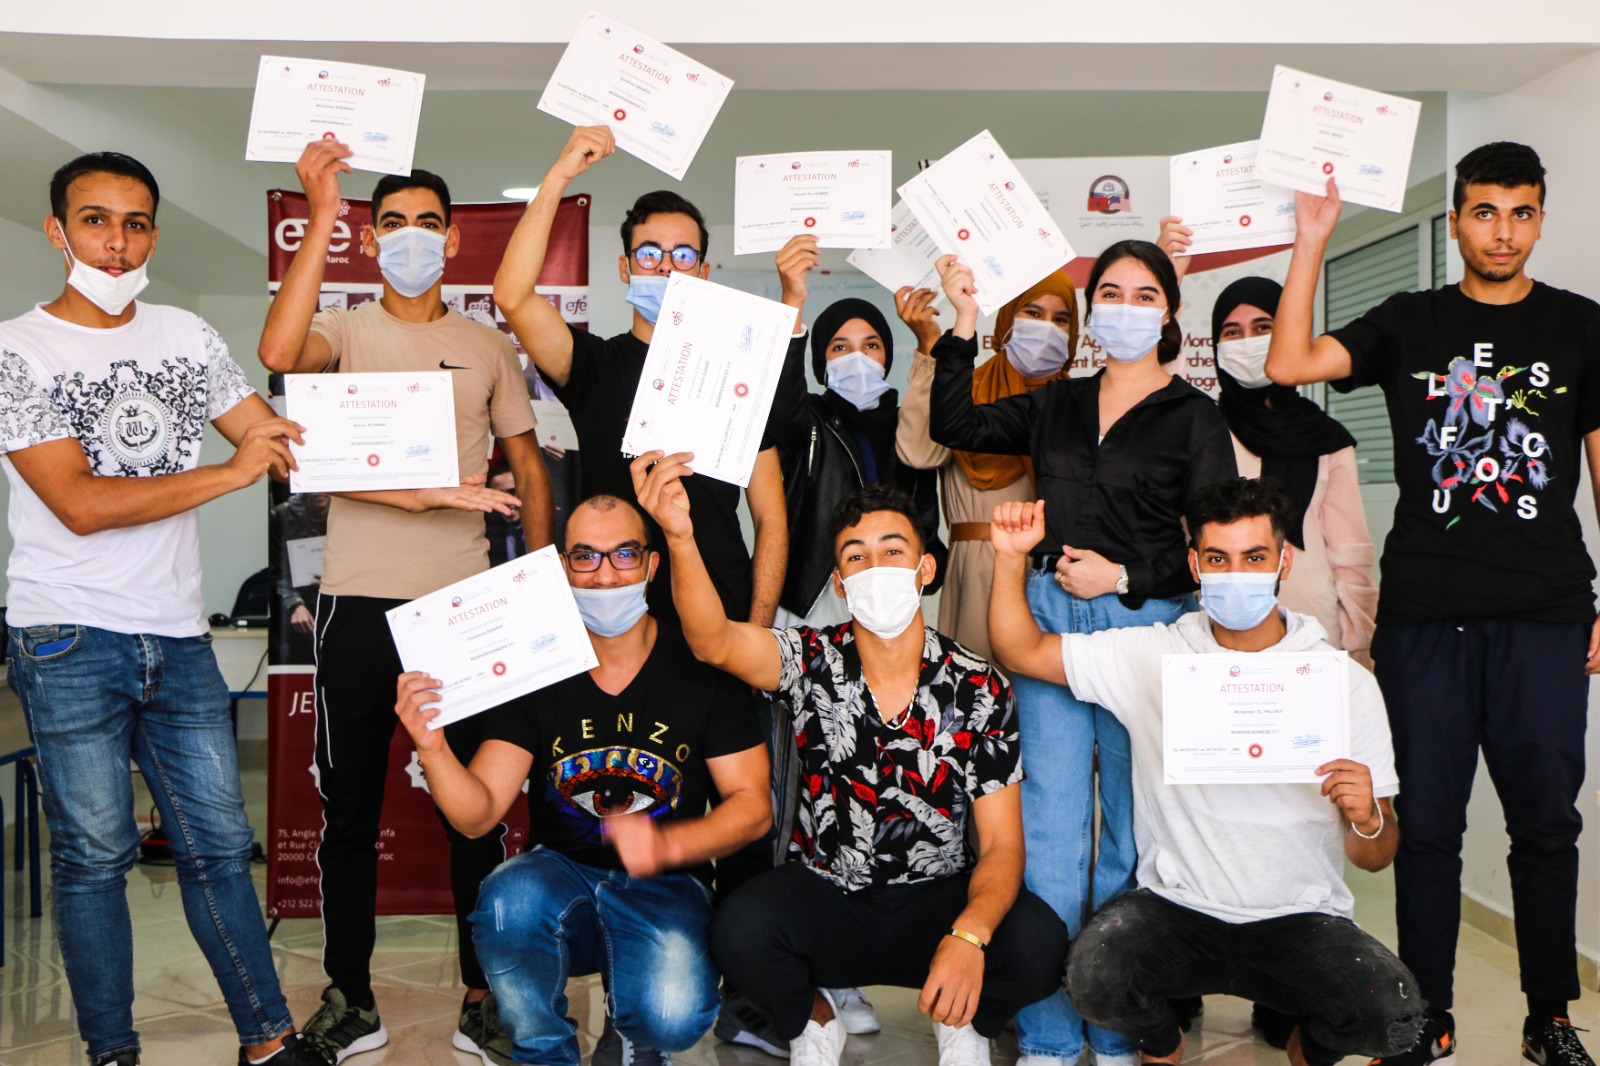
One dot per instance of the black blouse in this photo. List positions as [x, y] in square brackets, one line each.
[1123, 497]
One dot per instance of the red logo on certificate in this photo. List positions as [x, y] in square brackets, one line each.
[810, 222]
[328, 136]
[619, 114]
[741, 389]
[499, 669]
[1327, 168]
[1255, 751]
[373, 460]
[1244, 220]
[962, 234]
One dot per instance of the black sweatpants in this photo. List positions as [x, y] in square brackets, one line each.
[1517, 690]
[357, 666]
[790, 931]
[1140, 951]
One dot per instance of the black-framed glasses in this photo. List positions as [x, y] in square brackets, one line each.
[587, 560]
[650, 254]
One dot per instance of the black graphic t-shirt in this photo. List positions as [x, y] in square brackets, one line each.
[642, 751]
[887, 803]
[1489, 405]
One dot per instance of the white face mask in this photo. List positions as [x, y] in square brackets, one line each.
[858, 378]
[884, 599]
[1246, 360]
[1036, 348]
[1126, 332]
[110, 294]
[411, 259]
[611, 612]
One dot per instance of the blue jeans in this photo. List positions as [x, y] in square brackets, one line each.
[95, 699]
[1060, 734]
[543, 918]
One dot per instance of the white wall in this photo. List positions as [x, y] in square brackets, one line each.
[1554, 115]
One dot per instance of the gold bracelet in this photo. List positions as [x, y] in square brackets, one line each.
[971, 938]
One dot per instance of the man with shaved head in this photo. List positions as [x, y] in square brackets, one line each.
[623, 761]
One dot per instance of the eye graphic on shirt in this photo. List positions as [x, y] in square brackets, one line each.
[607, 782]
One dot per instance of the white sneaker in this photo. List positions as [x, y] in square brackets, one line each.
[855, 1010]
[819, 1045]
[1043, 1060]
[1131, 1058]
[961, 1047]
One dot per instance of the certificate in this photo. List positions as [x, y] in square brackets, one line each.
[373, 431]
[842, 198]
[305, 560]
[494, 636]
[1100, 200]
[555, 428]
[908, 259]
[1263, 717]
[1316, 128]
[709, 377]
[1219, 195]
[658, 102]
[371, 109]
[976, 205]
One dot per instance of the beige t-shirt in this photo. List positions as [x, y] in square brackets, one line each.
[382, 551]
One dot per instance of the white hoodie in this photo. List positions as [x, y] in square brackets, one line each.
[1240, 853]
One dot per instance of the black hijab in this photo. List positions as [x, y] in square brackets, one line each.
[875, 425]
[1288, 431]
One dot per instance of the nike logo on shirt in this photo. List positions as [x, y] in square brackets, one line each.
[446, 366]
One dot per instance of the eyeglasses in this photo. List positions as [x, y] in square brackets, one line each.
[649, 256]
[585, 560]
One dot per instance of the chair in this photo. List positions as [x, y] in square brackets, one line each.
[16, 748]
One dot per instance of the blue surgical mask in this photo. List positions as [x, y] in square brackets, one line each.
[1036, 348]
[858, 379]
[1239, 601]
[411, 259]
[611, 612]
[645, 292]
[1125, 332]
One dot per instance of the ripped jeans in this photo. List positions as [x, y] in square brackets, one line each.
[543, 918]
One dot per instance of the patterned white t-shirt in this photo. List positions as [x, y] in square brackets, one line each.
[136, 398]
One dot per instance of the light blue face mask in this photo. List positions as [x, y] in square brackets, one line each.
[1125, 332]
[611, 612]
[411, 259]
[858, 379]
[1240, 601]
[645, 292]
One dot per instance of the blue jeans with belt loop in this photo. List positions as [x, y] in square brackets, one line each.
[95, 699]
[1060, 736]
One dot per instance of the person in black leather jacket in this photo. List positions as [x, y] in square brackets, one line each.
[835, 442]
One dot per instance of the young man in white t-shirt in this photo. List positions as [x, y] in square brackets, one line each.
[1240, 887]
[103, 402]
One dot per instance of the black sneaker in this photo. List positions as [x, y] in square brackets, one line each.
[1436, 1040]
[296, 1052]
[1553, 1042]
[742, 1022]
[478, 1032]
[1274, 1025]
[126, 1058]
[339, 1030]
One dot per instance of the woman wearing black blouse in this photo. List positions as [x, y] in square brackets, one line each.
[1117, 457]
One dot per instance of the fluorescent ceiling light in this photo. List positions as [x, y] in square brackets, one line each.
[520, 192]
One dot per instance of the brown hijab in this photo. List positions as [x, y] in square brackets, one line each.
[997, 379]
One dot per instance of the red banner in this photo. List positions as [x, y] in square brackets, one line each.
[412, 879]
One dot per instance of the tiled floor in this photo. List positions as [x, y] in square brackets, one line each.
[182, 1021]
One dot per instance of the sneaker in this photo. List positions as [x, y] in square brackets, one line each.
[614, 1049]
[819, 1045]
[742, 1022]
[1553, 1042]
[339, 1030]
[1273, 1025]
[855, 1010]
[963, 1046]
[1436, 1040]
[1043, 1060]
[126, 1058]
[479, 1033]
[296, 1051]
[1126, 1058]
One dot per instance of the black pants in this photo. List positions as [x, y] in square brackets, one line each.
[355, 692]
[1140, 951]
[789, 932]
[1518, 690]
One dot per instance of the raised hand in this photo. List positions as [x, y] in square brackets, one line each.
[1315, 216]
[587, 146]
[414, 692]
[658, 482]
[916, 310]
[319, 168]
[1016, 527]
[1175, 240]
[795, 260]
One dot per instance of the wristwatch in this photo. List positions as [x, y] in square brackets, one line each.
[1122, 581]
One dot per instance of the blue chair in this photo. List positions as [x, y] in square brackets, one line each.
[16, 748]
